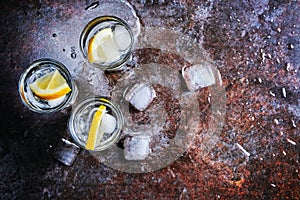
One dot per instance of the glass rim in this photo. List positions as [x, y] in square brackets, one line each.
[39, 63]
[90, 101]
[89, 27]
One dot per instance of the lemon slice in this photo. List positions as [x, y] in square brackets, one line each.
[95, 132]
[43, 81]
[50, 86]
[102, 47]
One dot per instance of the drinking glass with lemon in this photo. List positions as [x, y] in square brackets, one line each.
[46, 86]
[95, 123]
[106, 42]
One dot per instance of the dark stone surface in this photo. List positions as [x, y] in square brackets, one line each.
[256, 45]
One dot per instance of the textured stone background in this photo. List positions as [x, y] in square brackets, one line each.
[256, 45]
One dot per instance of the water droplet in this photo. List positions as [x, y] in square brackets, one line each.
[291, 141]
[284, 153]
[288, 67]
[278, 30]
[54, 35]
[276, 121]
[269, 56]
[259, 80]
[73, 55]
[243, 33]
[263, 55]
[91, 5]
[293, 123]
[25, 133]
[272, 93]
[290, 46]
[284, 92]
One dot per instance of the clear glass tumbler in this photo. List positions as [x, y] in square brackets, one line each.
[109, 124]
[107, 42]
[42, 86]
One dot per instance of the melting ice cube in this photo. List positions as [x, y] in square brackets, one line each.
[57, 101]
[66, 152]
[122, 37]
[137, 147]
[108, 123]
[140, 95]
[198, 76]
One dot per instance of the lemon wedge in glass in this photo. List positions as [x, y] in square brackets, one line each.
[50, 86]
[102, 47]
[95, 132]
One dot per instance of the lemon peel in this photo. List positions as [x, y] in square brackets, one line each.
[95, 132]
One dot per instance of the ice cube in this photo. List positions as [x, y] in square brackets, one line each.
[66, 152]
[140, 95]
[137, 147]
[108, 51]
[57, 101]
[108, 123]
[198, 76]
[122, 37]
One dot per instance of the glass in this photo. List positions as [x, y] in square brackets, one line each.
[81, 119]
[107, 42]
[41, 68]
